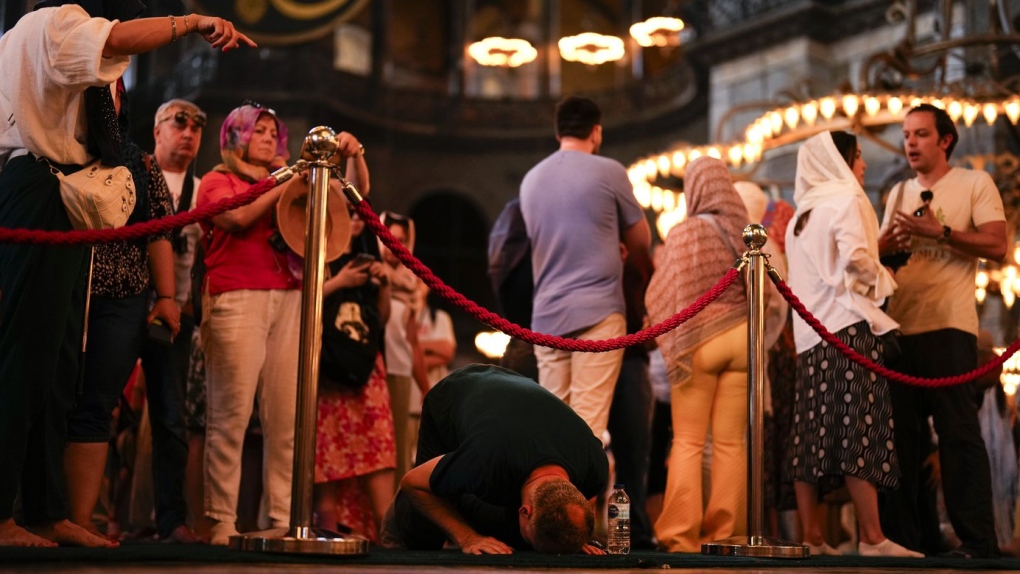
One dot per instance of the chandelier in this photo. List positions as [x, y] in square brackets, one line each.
[661, 31]
[882, 99]
[506, 52]
[591, 48]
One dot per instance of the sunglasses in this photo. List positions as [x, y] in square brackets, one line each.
[926, 197]
[181, 119]
[255, 104]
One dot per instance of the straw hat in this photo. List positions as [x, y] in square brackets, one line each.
[292, 218]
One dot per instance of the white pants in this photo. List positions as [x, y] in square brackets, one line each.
[251, 347]
[585, 381]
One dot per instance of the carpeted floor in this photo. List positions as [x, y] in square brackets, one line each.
[155, 553]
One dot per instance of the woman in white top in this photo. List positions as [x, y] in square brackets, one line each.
[842, 428]
[58, 65]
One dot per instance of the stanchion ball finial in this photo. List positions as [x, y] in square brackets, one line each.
[755, 236]
[320, 143]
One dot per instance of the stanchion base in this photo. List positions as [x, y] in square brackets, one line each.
[755, 546]
[297, 540]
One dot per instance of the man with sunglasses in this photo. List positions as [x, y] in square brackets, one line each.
[178, 134]
[948, 218]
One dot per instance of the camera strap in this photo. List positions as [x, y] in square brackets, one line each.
[183, 204]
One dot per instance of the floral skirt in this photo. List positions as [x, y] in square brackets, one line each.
[355, 430]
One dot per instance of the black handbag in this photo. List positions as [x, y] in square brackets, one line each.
[351, 334]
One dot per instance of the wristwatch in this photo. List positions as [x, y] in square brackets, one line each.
[944, 238]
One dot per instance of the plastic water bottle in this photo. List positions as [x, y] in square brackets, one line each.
[619, 522]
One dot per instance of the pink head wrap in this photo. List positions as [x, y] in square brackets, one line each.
[240, 123]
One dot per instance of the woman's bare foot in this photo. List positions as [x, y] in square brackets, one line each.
[67, 533]
[13, 535]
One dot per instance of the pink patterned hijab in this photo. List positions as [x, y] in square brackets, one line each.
[696, 255]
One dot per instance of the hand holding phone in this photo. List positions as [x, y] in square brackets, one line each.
[364, 259]
[160, 333]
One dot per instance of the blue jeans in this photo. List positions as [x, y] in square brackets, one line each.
[166, 369]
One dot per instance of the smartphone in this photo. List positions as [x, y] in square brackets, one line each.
[363, 258]
[160, 333]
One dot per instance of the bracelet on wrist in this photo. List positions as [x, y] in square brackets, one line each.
[173, 28]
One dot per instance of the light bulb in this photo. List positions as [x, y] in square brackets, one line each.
[872, 106]
[970, 113]
[988, 110]
[809, 112]
[777, 122]
[955, 110]
[1012, 108]
[827, 106]
[895, 105]
[735, 152]
[792, 116]
[850, 104]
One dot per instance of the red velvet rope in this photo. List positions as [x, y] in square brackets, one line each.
[879, 369]
[496, 322]
[137, 230]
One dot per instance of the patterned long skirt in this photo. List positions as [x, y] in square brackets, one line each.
[355, 438]
[842, 421]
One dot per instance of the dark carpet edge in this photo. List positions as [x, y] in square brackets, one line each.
[154, 553]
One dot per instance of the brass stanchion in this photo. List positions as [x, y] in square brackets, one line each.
[755, 543]
[301, 536]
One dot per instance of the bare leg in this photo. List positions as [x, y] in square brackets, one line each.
[865, 497]
[84, 463]
[67, 533]
[807, 509]
[13, 535]
[379, 486]
[324, 503]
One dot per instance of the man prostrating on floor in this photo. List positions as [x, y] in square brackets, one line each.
[502, 465]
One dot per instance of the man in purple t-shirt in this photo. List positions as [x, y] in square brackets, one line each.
[579, 208]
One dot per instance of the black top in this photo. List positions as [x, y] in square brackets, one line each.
[494, 427]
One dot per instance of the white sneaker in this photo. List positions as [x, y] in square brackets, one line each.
[822, 549]
[887, 548]
[220, 533]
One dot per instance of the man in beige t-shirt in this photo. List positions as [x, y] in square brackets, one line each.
[935, 307]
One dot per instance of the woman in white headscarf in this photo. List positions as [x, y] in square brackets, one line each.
[842, 429]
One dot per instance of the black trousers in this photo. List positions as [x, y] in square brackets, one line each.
[630, 426]
[404, 526]
[42, 302]
[966, 477]
[166, 370]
